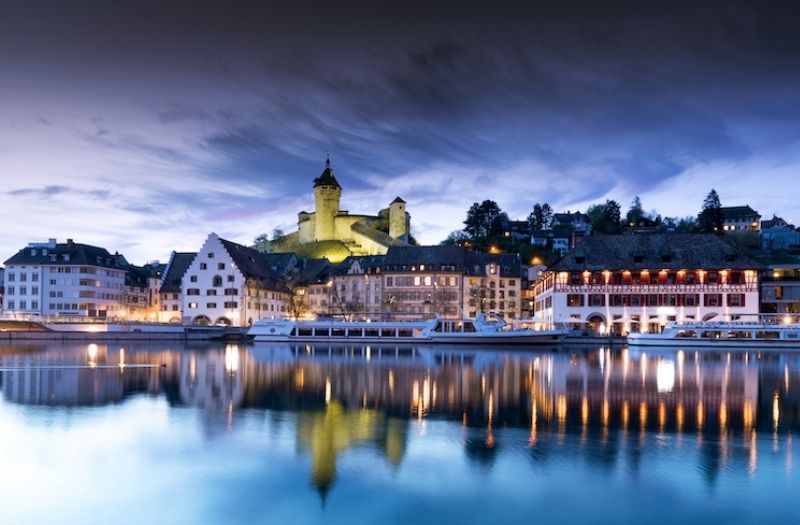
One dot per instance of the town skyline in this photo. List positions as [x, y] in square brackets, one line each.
[135, 131]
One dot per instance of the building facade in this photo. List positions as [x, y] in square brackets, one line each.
[64, 280]
[230, 284]
[740, 218]
[171, 296]
[780, 289]
[637, 283]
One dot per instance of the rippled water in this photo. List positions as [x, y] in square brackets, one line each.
[164, 433]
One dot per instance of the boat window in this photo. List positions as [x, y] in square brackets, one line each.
[711, 334]
[469, 327]
[304, 332]
[371, 332]
[405, 332]
[321, 332]
[767, 335]
[738, 334]
[792, 335]
[388, 332]
[438, 327]
[337, 332]
[355, 332]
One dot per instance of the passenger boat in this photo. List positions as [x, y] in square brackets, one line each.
[459, 331]
[763, 333]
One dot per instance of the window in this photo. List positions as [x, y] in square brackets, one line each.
[193, 305]
[779, 292]
[11, 277]
[203, 266]
[217, 282]
[713, 299]
[574, 300]
[231, 304]
[210, 255]
[193, 291]
[220, 266]
[211, 292]
[597, 299]
[52, 282]
[389, 281]
[35, 277]
[193, 278]
[211, 305]
[736, 299]
[231, 278]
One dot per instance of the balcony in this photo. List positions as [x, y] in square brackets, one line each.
[655, 288]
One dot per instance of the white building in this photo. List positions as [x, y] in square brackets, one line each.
[625, 283]
[227, 283]
[64, 279]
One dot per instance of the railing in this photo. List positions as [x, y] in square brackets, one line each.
[655, 288]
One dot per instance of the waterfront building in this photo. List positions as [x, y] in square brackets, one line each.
[780, 289]
[624, 283]
[332, 233]
[64, 279]
[492, 284]
[740, 218]
[2, 288]
[171, 296]
[231, 284]
[313, 283]
[357, 288]
[142, 299]
[423, 281]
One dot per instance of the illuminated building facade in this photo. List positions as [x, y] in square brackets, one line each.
[64, 279]
[230, 284]
[740, 218]
[171, 296]
[334, 233]
[624, 283]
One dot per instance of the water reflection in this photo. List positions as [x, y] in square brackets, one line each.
[606, 406]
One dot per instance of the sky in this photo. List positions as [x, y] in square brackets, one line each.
[144, 126]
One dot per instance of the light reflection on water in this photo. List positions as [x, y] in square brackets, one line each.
[238, 433]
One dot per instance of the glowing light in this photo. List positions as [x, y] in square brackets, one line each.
[561, 409]
[665, 376]
[231, 359]
[122, 358]
[776, 410]
[787, 319]
[327, 390]
[91, 354]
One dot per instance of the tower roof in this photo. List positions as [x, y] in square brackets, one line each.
[327, 178]
[398, 199]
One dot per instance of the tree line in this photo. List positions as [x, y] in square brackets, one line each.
[486, 224]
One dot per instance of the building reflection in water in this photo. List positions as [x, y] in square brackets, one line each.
[602, 404]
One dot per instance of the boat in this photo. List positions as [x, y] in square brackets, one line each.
[480, 330]
[762, 334]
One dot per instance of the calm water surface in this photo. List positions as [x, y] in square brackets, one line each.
[295, 434]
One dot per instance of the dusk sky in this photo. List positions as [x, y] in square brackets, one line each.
[143, 126]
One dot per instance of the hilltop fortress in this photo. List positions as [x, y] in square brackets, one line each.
[334, 233]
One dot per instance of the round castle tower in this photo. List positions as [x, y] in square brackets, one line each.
[327, 194]
[398, 221]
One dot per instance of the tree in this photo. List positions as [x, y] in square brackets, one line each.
[541, 217]
[277, 233]
[261, 243]
[605, 217]
[456, 238]
[710, 218]
[635, 212]
[484, 220]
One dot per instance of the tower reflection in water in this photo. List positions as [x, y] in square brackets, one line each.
[599, 403]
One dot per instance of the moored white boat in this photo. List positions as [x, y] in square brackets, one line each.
[733, 334]
[458, 331]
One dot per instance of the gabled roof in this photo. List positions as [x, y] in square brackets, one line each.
[327, 178]
[570, 217]
[427, 255]
[368, 263]
[508, 263]
[176, 268]
[314, 271]
[77, 254]
[738, 212]
[670, 251]
[398, 199]
[775, 221]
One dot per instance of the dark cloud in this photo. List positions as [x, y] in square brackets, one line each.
[53, 190]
